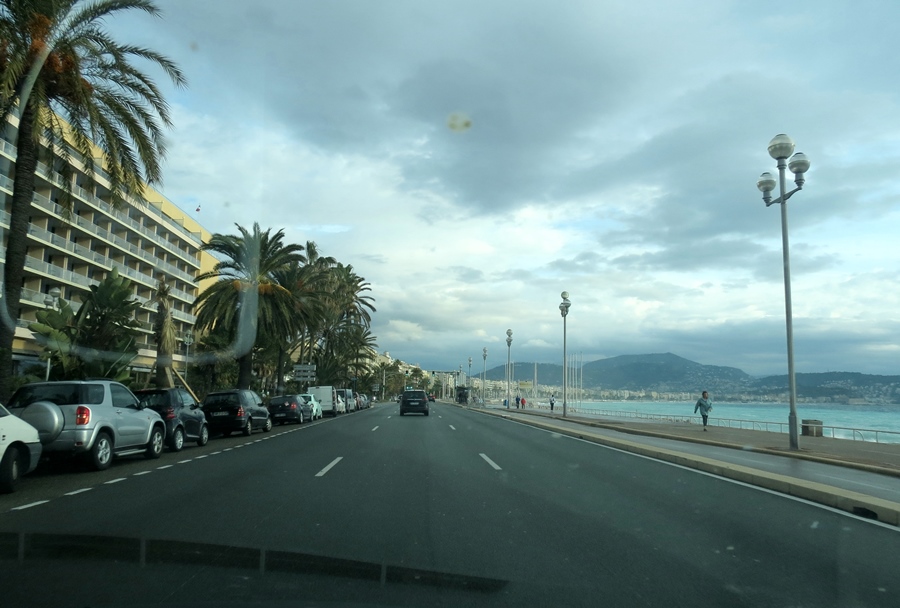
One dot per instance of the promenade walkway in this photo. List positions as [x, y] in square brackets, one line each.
[856, 476]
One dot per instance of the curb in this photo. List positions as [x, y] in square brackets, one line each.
[856, 503]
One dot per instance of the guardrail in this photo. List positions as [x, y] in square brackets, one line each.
[835, 432]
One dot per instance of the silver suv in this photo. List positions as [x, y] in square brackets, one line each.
[97, 418]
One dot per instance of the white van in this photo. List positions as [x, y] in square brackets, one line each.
[347, 395]
[328, 398]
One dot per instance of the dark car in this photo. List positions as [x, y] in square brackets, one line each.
[235, 410]
[182, 414]
[414, 401]
[288, 408]
[431, 397]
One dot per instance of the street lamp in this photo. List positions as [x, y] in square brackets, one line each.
[508, 349]
[780, 148]
[51, 300]
[483, 375]
[188, 340]
[564, 310]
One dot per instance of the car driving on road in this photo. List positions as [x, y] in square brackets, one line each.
[236, 410]
[414, 401]
[95, 418]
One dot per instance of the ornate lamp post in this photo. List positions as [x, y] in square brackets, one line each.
[483, 376]
[780, 148]
[564, 311]
[508, 350]
[188, 340]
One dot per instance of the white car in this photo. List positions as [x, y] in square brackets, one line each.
[315, 406]
[20, 450]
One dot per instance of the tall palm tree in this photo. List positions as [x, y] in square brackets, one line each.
[247, 298]
[348, 289]
[164, 331]
[77, 88]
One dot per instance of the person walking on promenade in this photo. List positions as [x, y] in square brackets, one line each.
[705, 407]
[523, 402]
[552, 402]
[518, 401]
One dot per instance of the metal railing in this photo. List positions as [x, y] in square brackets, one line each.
[831, 431]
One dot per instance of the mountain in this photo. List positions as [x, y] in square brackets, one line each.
[669, 373]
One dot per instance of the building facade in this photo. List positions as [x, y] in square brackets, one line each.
[146, 240]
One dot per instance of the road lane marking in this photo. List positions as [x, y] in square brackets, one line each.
[214, 453]
[491, 462]
[452, 427]
[376, 428]
[142, 473]
[202, 456]
[328, 468]
[165, 466]
[184, 461]
[29, 505]
[74, 492]
[111, 481]
[227, 449]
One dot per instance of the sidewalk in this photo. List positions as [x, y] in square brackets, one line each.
[875, 458]
[883, 458]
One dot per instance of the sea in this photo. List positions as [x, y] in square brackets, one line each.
[862, 422]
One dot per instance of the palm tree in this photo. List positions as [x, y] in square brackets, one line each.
[164, 331]
[247, 299]
[77, 88]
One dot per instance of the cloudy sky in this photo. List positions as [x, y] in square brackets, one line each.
[473, 159]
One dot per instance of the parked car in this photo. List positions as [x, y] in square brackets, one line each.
[329, 398]
[20, 450]
[311, 406]
[287, 408]
[96, 418]
[414, 401]
[182, 414]
[431, 397]
[236, 410]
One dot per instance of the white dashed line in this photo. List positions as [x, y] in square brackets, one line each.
[142, 473]
[74, 492]
[184, 461]
[165, 466]
[376, 428]
[112, 481]
[227, 449]
[203, 456]
[490, 462]
[214, 453]
[328, 468]
[29, 505]
[452, 427]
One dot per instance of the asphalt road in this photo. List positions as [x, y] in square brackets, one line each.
[456, 508]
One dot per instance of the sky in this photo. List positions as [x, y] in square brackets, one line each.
[473, 159]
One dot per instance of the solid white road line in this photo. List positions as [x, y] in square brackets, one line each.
[490, 462]
[328, 468]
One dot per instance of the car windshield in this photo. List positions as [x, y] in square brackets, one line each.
[595, 303]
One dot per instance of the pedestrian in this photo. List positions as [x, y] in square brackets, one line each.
[518, 401]
[705, 407]
[552, 402]
[523, 402]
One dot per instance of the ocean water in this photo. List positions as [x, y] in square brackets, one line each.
[866, 422]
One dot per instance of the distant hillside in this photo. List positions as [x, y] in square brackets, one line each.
[670, 373]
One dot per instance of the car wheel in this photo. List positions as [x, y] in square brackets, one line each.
[203, 439]
[268, 425]
[155, 445]
[101, 452]
[248, 428]
[177, 441]
[10, 469]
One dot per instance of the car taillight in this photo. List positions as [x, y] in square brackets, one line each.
[240, 412]
[170, 413]
[293, 405]
[82, 415]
